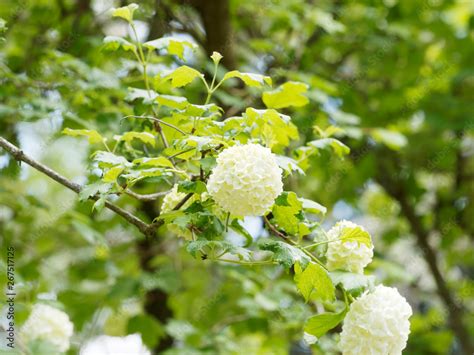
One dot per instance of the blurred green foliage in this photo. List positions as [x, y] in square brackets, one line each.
[392, 80]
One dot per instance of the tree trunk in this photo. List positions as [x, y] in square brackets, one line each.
[394, 186]
[159, 23]
[215, 15]
[156, 300]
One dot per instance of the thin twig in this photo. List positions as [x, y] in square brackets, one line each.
[183, 201]
[143, 62]
[248, 263]
[179, 153]
[160, 130]
[275, 231]
[319, 243]
[145, 197]
[158, 120]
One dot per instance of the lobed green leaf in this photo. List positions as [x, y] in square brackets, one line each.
[314, 282]
[145, 137]
[113, 43]
[174, 46]
[286, 95]
[356, 234]
[285, 254]
[125, 12]
[255, 80]
[183, 76]
[158, 161]
[320, 324]
[91, 134]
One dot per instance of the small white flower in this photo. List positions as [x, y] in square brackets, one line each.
[170, 201]
[246, 180]
[107, 345]
[50, 324]
[376, 324]
[347, 255]
[172, 198]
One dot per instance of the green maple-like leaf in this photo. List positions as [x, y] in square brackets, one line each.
[174, 46]
[125, 12]
[286, 95]
[356, 234]
[288, 214]
[314, 282]
[284, 253]
[183, 76]
[250, 79]
[113, 43]
[91, 134]
[145, 137]
[321, 323]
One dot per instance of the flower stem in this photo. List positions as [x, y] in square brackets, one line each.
[247, 263]
[144, 61]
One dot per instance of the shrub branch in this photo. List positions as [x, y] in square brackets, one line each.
[20, 156]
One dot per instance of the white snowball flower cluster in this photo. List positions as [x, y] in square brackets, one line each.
[107, 345]
[344, 254]
[376, 324]
[50, 324]
[246, 180]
